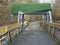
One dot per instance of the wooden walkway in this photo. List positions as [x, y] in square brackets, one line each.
[34, 35]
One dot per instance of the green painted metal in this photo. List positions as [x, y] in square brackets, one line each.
[30, 7]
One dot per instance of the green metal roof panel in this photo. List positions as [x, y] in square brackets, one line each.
[30, 7]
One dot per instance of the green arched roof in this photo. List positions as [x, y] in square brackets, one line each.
[30, 7]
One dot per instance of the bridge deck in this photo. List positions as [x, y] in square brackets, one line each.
[34, 35]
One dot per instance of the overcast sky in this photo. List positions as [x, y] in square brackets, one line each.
[47, 1]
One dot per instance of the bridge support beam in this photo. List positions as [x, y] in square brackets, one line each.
[50, 15]
[21, 18]
[19, 14]
[47, 17]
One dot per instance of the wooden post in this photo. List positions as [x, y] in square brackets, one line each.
[0, 43]
[50, 30]
[54, 32]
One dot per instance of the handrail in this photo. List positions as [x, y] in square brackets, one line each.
[10, 32]
[7, 29]
[52, 29]
[56, 25]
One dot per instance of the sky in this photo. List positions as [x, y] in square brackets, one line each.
[47, 1]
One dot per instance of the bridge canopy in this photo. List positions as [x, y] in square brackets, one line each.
[28, 8]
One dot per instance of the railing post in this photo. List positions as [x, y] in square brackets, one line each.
[54, 32]
[48, 28]
[0, 40]
[0, 43]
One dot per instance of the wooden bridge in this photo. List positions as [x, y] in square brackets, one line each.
[36, 33]
[43, 32]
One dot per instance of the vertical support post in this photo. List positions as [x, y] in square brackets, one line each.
[0, 40]
[22, 20]
[50, 16]
[54, 32]
[47, 18]
[43, 17]
[19, 16]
